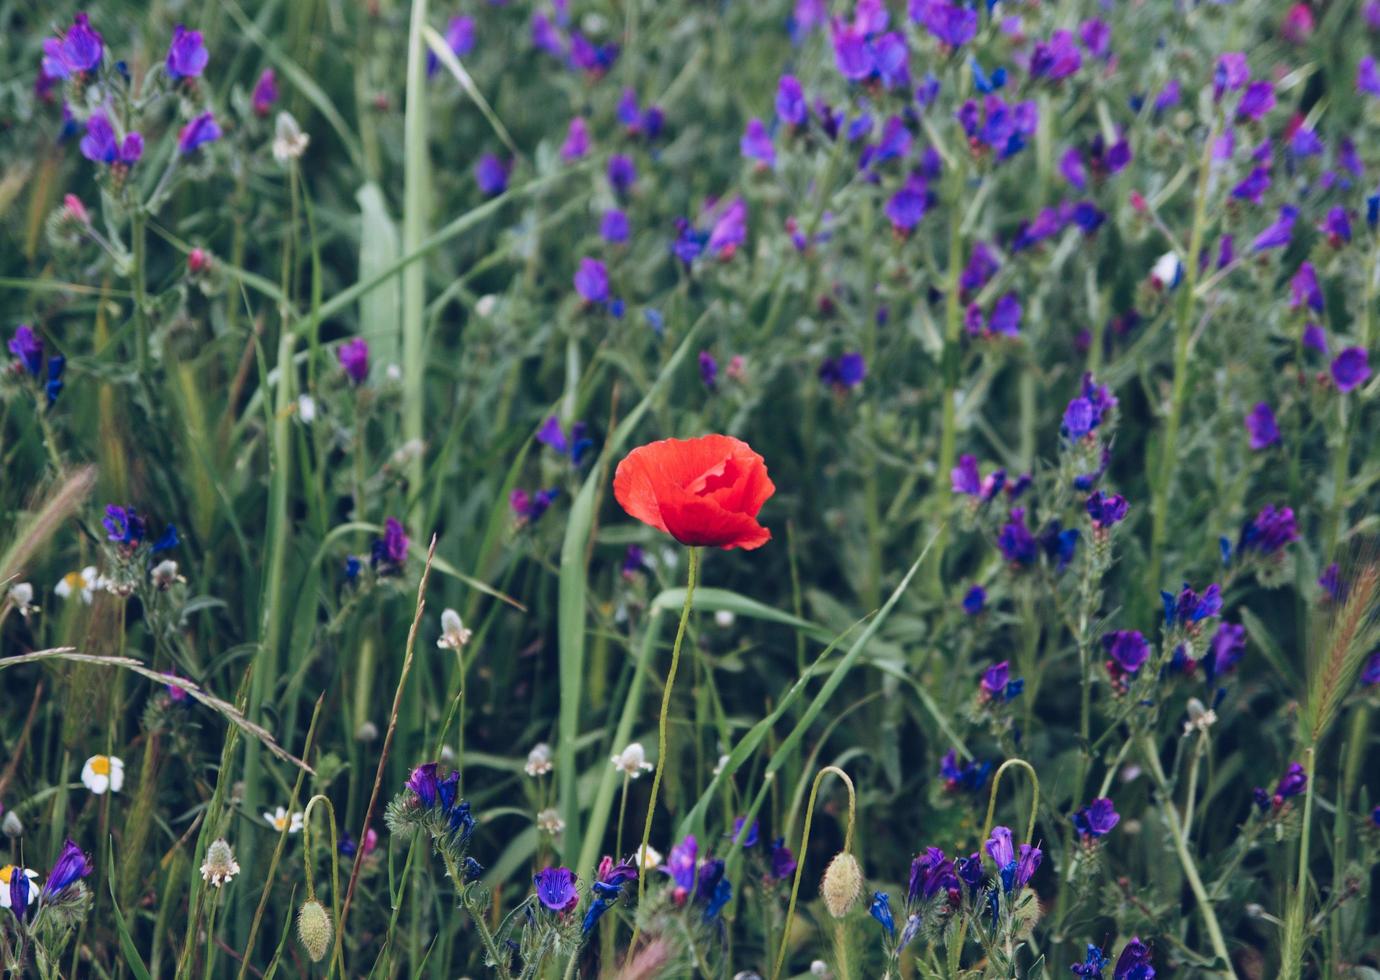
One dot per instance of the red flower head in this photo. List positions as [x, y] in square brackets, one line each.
[702, 492]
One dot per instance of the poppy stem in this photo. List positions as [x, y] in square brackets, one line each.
[661, 732]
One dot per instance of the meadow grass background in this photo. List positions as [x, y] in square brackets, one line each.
[844, 641]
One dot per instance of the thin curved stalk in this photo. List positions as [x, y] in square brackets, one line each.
[661, 730]
[804, 845]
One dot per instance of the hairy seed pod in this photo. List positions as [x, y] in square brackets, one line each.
[842, 884]
[314, 929]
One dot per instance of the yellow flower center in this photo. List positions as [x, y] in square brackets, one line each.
[6, 873]
[100, 765]
[74, 580]
[280, 822]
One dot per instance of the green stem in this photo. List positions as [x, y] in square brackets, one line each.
[661, 731]
[1183, 333]
[804, 847]
[1176, 831]
[141, 320]
[1291, 965]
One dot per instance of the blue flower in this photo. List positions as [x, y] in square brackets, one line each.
[881, 911]
[974, 600]
[1015, 871]
[745, 839]
[187, 54]
[1093, 964]
[1096, 819]
[556, 889]
[1134, 963]
[72, 865]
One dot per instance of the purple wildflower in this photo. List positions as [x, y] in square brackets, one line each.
[99, 145]
[729, 231]
[930, 874]
[1269, 531]
[845, 372]
[951, 23]
[781, 859]
[1367, 76]
[1257, 101]
[1134, 963]
[1096, 819]
[391, 549]
[1015, 541]
[1127, 651]
[592, 281]
[907, 206]
[709, 370]
[1096, 37]
[491, 175]
[1057, 58]
[187, 54]
[265, 93]
[28, 347]
[78, 50]
[197, 133]
[1254, 186]
[1072, 168]
[1278, 234]
[556, 889]
[1304, 289]
[1105, 509]
[72, 865]
[982, 266]
[790, 102]
[974, 600]
[576, 145]
[613, 226]
[354, 358]
[1015, 872]
[1261, 426]
[1336, 226]
[1231, 73]
[1350, 368]
[622, 173]
[756, 144]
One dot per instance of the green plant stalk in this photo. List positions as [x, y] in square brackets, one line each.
[141, 320]
[691, 576]
[1183, 333]
[415, 171]
[1291, 960]
[804, 847]
[1171, 816]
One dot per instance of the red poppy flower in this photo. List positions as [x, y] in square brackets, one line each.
[702, 492]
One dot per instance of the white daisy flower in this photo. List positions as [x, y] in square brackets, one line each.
[7, 873]
[648, 859]
[538, 760]
[724, 618]
[453, 632]
[632, 761]
[280, 818]
[306, 408]
[220, 865]
[83, 583]
[103, 773]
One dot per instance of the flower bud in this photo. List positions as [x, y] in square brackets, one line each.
[842, 884]
[314, 929]
[198, 261]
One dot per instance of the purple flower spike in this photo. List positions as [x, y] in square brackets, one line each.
[197, 133]
[187, 55]
[556, 889]
[592, 281]
[1134, 963]
[790, 102]
[1261, 427]
[1106, 509]
[265, 93]
[491, 175]
[1127, 651]
[77, 51]
[1096, 819]
[756, 144]
[27, 346]
[72, 865]
[1350, 368]
[1278, 234]
[423, 783]
[354, 358]
[576, 145]
[100, 144]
